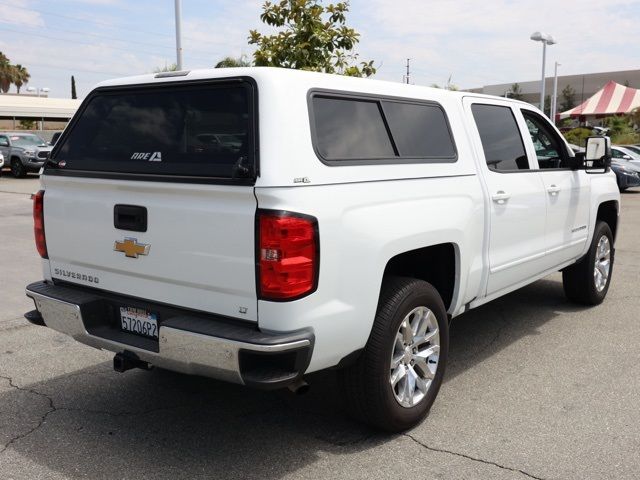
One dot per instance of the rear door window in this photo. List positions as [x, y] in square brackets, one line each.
[501, 139]
[188, 130]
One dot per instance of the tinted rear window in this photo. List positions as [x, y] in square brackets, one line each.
[419, 130]
[501, 139]
[195, 130]
[348, 129]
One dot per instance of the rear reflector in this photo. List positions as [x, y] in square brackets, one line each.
[288, 255]
[38, 223]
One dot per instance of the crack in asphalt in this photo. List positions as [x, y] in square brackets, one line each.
[43, 418]
[52, 408]
[469, 457]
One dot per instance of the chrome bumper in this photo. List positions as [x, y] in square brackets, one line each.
[247, 358]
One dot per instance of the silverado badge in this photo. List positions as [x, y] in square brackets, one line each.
[131, 248]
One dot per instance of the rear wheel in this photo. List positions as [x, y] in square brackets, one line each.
[18, 170]
[587, 281]
[396, 379]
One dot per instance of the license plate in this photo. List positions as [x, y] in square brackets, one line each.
[139, 321]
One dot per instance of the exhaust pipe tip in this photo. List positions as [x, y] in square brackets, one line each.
[299, 387]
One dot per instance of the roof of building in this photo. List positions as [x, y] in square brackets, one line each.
[21, 106]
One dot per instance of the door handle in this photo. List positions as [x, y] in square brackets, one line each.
[501, 197]
[130, 217]
[553, 190]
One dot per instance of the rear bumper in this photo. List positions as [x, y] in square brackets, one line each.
[189, 342]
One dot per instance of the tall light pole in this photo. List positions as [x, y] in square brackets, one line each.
[178, 34]
[546, 39]
[554, 99]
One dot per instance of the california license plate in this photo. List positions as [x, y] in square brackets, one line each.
[139, 321]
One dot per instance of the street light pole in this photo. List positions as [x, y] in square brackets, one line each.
[178, 34]
[554, 99]
[546, 39]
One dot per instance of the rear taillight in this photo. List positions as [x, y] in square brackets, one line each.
[288, 255]
[38, 223]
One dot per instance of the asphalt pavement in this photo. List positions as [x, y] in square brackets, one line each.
[536, 388]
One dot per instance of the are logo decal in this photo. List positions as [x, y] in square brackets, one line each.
[149, 156]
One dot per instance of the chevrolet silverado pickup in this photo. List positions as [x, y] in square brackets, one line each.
[257, 225]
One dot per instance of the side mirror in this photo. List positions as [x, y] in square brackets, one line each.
[596, 157]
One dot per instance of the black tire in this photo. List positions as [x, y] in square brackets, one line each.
[578, 279]
[366, 384]
[18, 170]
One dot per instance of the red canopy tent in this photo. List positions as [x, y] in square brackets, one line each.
[612, 99]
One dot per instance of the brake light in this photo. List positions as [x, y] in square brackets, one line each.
[288, 255]
[38, 223]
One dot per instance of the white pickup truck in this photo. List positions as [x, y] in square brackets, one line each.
[256, 225]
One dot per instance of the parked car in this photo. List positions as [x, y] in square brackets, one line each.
[623, 153]
[24, 152]
[633, 148]
[627, 174]
[355, 220]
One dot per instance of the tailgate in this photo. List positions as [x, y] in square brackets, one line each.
[200, 238]
[149, 193]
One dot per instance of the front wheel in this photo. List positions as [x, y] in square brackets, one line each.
[396, 379]
[587, 282]
[18, 170]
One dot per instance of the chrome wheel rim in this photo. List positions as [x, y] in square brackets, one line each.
[602, 266]
[415, 356]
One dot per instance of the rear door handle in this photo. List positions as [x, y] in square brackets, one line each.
[501, 197]
[553, 190]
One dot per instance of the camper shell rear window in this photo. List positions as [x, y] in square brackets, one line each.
[182, 129]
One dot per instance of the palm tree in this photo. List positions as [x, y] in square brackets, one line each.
[7, 73]
[22, 76]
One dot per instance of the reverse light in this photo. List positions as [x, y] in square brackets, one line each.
[38, 223]
[288, 255]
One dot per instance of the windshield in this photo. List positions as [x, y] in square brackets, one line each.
[190, 130]
[27, 141]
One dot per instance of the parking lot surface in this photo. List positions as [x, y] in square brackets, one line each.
[535, 388]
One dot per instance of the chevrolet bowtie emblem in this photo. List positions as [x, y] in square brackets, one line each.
[131, 248]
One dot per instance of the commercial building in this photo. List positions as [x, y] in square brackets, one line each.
[45, 113]
[584, 85]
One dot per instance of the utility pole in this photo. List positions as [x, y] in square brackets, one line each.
[407, 75]
[178, 34]
[554, 99]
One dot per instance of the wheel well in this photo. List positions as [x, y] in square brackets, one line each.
[14, 159]
[608, 213]
[435, 264]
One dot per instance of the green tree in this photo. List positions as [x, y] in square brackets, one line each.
[74, 95]
[547, 105]
[567, 98]
[172, 67]
[27, 124]
[230, 62]
[7, 73]
[310, 37]
[21, 76]
[515, 92]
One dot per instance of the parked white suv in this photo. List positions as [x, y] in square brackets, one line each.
[340, 223]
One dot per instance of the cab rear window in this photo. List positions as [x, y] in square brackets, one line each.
[190, 130]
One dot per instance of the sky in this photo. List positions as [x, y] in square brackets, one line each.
[474, 42]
